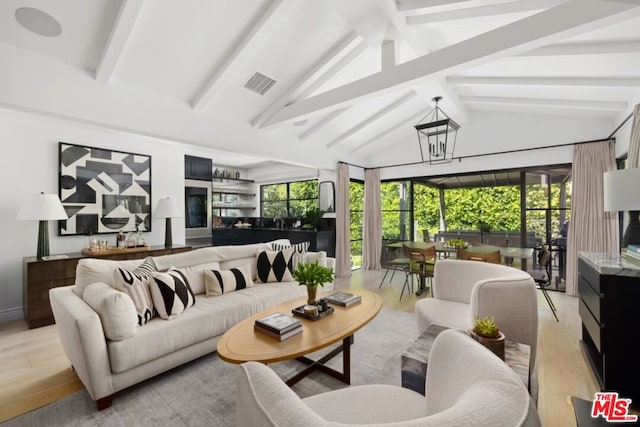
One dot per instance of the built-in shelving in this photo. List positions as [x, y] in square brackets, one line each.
[233, 197]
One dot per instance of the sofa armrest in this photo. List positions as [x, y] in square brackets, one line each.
[83, 340]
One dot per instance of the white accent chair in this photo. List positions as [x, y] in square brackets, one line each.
[466, 385]
[465, 289]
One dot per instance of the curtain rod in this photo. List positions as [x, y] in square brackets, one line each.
[620, 125]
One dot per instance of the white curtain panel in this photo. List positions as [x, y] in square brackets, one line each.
[591, 229]
[343, 236]
[633, 158]
[372, 221]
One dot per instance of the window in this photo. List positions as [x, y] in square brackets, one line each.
[396, 210]
[291, 199]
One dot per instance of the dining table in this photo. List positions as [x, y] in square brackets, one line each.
[508, 253]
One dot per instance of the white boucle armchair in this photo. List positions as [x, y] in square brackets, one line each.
[466, 385]
[465, 289]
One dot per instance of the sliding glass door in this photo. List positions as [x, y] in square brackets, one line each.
[547, 213]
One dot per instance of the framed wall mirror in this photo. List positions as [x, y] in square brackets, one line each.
[327, 196]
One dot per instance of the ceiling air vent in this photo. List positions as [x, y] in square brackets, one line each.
[259, 83]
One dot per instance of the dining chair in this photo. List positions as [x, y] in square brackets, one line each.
[422, 264]
[391, 262]
[543, 279]
[492, 257]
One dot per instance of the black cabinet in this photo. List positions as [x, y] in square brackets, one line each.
[197, 168]
[321, 240]
[608, 307]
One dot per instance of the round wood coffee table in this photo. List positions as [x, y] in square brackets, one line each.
[242, 344]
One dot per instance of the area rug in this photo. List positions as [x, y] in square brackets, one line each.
[202, 392]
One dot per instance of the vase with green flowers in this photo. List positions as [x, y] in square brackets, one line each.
[312, 275]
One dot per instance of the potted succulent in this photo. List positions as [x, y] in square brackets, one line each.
[312, 275]
[486, 332]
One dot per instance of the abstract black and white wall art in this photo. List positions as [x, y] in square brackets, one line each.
[103, 191]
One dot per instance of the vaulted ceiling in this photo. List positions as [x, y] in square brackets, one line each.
[349, 77]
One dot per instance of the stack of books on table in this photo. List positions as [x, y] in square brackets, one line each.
[278, 326]
[344, 299]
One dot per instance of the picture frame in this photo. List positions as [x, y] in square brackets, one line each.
[103, 191]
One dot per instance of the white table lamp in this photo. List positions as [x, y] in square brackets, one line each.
[42, 207]
[622, 193]
[166, 208]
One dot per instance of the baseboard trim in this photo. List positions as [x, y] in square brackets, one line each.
[11, 314]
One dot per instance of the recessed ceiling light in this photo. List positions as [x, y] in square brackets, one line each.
[38, 22]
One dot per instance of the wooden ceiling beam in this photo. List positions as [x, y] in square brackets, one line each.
[482, 11]
[551, 103]
[546, 81]
[120, 34]
[565, 20]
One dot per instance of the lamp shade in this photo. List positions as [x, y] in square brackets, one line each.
[622, 190]
[166, 208]
[42, 207]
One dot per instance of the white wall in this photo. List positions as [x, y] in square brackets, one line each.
[29, 164]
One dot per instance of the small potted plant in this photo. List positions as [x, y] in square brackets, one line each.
[312, 275]
[486, 332]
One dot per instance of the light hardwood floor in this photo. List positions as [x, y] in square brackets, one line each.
[35, 371]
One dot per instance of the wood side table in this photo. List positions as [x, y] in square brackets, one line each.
[415, 359]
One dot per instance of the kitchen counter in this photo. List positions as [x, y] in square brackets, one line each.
[319, 240]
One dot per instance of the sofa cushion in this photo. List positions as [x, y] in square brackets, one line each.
[116, 310]
[195, 275]
[171, 293]
[275, 266]
[228, 256]
[218, 282]
[135, 283]
[299, 252]
[451, 314]
[319, 257]
[209, 317]
[92, 270]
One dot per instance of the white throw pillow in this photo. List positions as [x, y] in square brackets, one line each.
[92, 270]
[115, 309]
[195, 275]
[171, 293]
[219, 282]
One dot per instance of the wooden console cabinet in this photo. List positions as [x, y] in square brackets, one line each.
[609, 291]
[39, 276]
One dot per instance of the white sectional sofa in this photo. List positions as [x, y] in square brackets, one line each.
[106, 366]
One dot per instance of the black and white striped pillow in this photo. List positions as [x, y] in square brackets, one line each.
[275, 266]
[135, 283]
[171, 293]
[299, 252]
[218, 282]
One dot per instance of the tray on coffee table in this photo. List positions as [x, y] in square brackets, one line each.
[299, 311]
